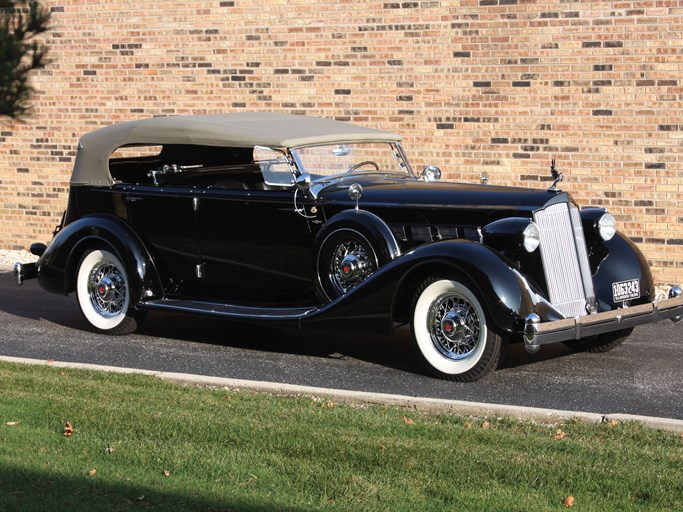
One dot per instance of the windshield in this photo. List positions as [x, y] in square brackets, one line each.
[360, 157]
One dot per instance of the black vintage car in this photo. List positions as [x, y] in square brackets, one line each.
[317, 224]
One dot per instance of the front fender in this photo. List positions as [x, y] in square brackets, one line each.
[620, 260]
[377, 301]
[57, 266]
[370, 224]
[503, 290]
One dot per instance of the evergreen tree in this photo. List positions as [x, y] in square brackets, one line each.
[20, 22]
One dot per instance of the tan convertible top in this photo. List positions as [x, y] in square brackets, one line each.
[230, 130]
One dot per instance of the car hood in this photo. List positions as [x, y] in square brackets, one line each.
[409, 193]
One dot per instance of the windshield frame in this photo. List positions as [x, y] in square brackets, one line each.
[402, 162]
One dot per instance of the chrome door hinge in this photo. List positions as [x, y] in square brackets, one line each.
[199, 270]
[195, 203]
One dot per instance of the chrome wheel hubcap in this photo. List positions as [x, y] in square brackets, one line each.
[351, 264]
[454, 327]
[107, 289]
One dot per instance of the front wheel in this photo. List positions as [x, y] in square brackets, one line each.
[451, 332]
[104, 294]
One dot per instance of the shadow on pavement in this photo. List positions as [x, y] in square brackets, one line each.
[31, 302]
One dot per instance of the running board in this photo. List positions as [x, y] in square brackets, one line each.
[226, 310]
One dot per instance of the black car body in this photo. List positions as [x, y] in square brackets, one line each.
[313, 223]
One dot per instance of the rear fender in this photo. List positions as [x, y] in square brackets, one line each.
[57, 266]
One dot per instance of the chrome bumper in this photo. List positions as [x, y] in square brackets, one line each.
[24, 271]
[537, 333]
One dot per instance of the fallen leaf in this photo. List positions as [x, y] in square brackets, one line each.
[560, 435]
[92, 472]
[50, 361]
[227, 398]
[408, 421]
[251, 480]
[167, 473]
[486, 424]
[467, 425]
[328, 405]
[68, 430]
[569, 502]
[12, 423]
[613, 423]
[108, 450]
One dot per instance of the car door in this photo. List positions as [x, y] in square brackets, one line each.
[165, 219]
[255, 248]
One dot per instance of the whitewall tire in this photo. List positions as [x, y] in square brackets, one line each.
[104, 294]
[451, 332]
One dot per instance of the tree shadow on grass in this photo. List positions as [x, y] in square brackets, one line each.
[27, 490]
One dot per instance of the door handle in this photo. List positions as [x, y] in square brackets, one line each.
[132, 199]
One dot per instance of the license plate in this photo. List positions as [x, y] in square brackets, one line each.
[626, 290]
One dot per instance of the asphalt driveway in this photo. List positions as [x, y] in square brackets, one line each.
[642, 377]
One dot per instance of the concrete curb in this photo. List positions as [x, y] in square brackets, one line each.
[365, 398]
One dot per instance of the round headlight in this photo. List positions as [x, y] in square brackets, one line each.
[431, 173]
[532, 237]
[607, 227]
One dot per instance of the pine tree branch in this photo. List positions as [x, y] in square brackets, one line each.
[20, 22]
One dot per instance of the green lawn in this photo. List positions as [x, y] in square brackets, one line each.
[226, 450]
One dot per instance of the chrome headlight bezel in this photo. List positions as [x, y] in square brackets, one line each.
[532, 237]
[607, 226]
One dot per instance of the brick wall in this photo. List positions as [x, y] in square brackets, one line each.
[500, 86]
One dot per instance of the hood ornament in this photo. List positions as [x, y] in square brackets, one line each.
[557, 176]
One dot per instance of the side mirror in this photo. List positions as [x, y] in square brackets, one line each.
[431, 173]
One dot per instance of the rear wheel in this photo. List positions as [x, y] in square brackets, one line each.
[451, 332]
[104, 294]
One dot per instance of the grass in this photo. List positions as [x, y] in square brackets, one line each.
[229, 451]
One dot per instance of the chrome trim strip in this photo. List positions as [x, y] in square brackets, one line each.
[226, 310]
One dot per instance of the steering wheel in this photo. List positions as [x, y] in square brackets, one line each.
[361, 164]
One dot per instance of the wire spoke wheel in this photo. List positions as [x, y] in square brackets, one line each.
[451, 333]
[104, 294]
[346, 258]
[454, 327]
[351, 263]
[107, 289]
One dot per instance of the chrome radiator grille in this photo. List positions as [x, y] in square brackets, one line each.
[565, 261]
